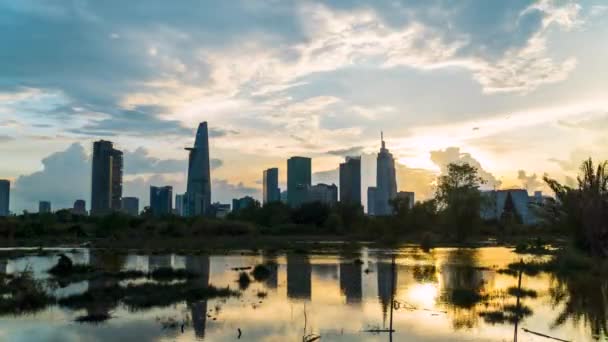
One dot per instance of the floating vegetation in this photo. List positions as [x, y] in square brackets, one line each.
[261, 272]
[22, 294]
[522, 293]
[145, 296]
[463, 298]
[93, 318]
[262, 294]
[244, 280]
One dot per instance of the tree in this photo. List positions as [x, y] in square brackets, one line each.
[459, 199]
[584, 210]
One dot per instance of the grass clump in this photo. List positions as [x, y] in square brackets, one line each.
[244, 280]
[23, 294]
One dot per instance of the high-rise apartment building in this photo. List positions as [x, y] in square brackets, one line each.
[161, 200]
[106, 180]
[198, 192]
[44, 207]
[271, 191]
[299, 171]
[5, 196]
[350, 181]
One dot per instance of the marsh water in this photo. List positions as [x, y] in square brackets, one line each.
[335, 294]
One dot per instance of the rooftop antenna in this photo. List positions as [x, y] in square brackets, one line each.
[382, 139]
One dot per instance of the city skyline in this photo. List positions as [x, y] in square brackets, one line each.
[494, 90]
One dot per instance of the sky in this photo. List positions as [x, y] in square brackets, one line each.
[517, 88]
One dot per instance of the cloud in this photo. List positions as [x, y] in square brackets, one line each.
[442, 158]
[64, 178]
[220, 132]
[139, 161]
[530, 182]
[6, 138]
[349, 151]
[223, 191]
[420, 181]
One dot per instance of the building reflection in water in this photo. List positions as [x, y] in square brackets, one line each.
[199, 264]
[272, 282]
[350, 281]
[107, 262]
[298, 276]
[387, 283]
[159, 261]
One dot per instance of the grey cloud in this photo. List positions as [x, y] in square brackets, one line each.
[141, 121]
[65, 177]
[443, 158]
[220, 132]
[6, 138]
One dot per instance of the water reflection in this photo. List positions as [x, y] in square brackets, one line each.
[446, 295]
[299, 271]
[199, 265]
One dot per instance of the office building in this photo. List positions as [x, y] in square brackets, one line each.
[44, 207]
[161, 200]
[80, 207]
[5, 196]
[386, 182]
[219, 210]
[350, 181]
[408, 196]
[106, 182]
[130, 206]
[271, 191]
[371, 200]
[326, 194]
[180, 204]
[242, 203]
[299, 171]
[198, 192]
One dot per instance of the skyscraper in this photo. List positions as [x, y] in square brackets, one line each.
[386, 183]
[298, 180]
[350, 181]
[179, 204]
[371, 200]
[5, 195]
[44, 207]
[106, 182]
[272, 193]
[198, 192]
[130, 206]
[161, 200]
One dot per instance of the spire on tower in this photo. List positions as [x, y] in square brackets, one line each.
[382, 139]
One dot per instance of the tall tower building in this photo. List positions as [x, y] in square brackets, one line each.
[272, 193]
[198, 191]
[161, 200]
[350, 181]
[299, 171]
[5, 196]
[106, 182]
[386, 182]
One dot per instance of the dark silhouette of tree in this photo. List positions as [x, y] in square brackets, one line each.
[584, 210]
